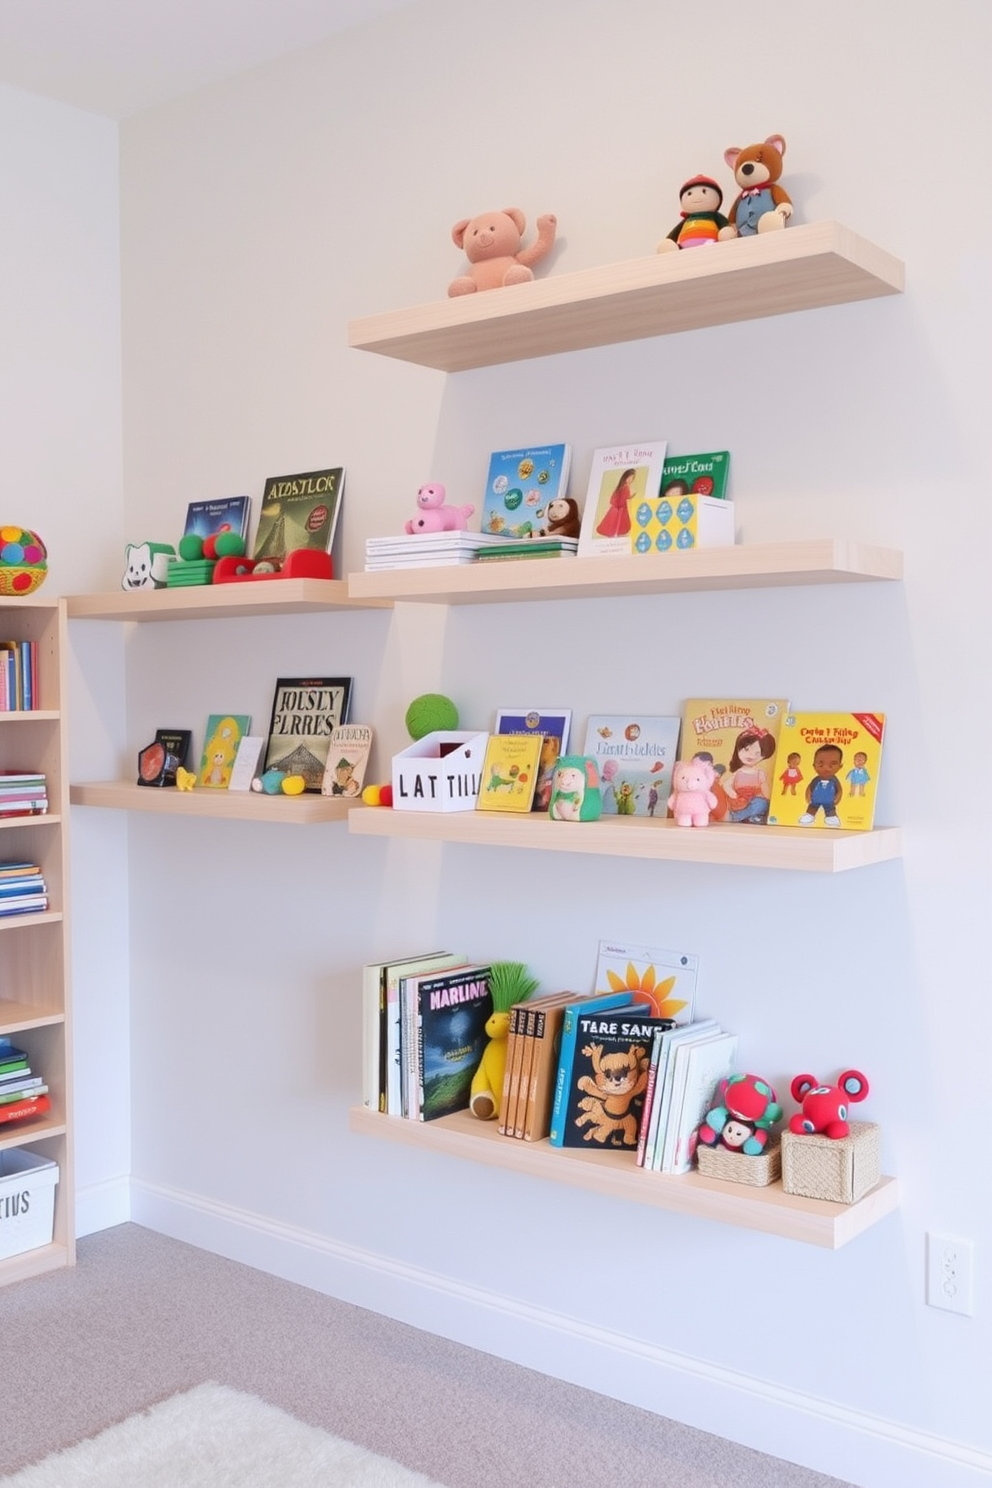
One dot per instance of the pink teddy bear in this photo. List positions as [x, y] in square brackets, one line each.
[492, 243]
[692, 799]
[434, 515]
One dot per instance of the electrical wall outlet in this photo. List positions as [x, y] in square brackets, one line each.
[950, 1262]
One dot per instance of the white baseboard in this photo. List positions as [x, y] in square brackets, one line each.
[845, 1443]
[100, 1206]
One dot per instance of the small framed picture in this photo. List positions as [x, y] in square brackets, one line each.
[159, 760]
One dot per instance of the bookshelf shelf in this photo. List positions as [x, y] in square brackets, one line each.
[124, 795]
[802, 268]
[222, 601]
[816, 850]
[616, 1176]
[762, 566]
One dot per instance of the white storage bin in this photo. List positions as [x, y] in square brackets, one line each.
[27, 1200]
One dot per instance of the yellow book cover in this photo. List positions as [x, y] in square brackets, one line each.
[509, 772]
[826, 770]
[740, 736]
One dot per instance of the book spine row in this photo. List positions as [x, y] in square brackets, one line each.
[18, 676]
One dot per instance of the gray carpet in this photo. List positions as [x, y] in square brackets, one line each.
[141, 1317]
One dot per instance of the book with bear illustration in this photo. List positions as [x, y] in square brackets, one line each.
[825, 772]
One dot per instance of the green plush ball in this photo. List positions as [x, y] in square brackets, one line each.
[430, 712]
[229, 545]
[191, 548]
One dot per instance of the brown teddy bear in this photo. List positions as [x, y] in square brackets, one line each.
[763, 205]
[491, 243]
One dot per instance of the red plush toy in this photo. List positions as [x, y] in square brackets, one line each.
[825, 1107]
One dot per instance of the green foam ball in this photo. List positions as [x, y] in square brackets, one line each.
[229, 545]
[191, 548]
[429, 713]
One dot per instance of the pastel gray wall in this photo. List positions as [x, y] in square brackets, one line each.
[258, 217]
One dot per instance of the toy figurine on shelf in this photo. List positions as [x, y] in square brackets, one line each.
[492, 244]
[763, 205]
[700, 200]
[276, 782]
[23, 561]
[825, 1107]
[744, 1118]
[692, 797]
[433, 513]
[576, 791]
[146, 565]
[509, 982]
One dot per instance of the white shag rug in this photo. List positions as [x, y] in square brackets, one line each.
[214, 1437]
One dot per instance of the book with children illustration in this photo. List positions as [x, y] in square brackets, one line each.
[552, 725]
[739, 736]
[635, 755]
[826, 770]
[509, 772]
[619, 475]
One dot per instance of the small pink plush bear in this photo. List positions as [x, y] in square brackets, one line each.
[491, 243]
[692, 800]
[434, 515]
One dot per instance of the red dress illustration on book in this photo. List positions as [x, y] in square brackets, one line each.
[616, 520]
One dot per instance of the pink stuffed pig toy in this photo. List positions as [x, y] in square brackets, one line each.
[692, 798]
[433, 515]
[491, 243]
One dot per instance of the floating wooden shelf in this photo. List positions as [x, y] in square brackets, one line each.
[815, 850]
[616, 1176]
[15, 1016]
[801, 268]
[221, 601]
[123, 795]
[764, 566]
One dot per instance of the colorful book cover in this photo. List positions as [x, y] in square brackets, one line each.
[739, 736]
[521, 486]
[227, 514]
[452, 1011]
[224, 733]
[619, 474]
[696, 475]
[347, 760]
[553, 725]
[305, 713]
[298, 511]
[391, 1052]
[609, 1077]
[826, 768]
[665, 979]
[598, 1002]
[635, 756]
[509, 772]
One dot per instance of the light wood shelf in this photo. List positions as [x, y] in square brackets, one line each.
[761, 566]
[815, 850]
[801, 268]
[15, 1016]
[616, 1176]
[221, 601]
[124, 795]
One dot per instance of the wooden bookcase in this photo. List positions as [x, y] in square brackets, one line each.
[34, 948]
[802, 268]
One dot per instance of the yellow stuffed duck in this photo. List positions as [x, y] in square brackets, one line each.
[509, 983]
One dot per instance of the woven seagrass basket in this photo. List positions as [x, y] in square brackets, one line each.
[840, 1169]
[736, 1167]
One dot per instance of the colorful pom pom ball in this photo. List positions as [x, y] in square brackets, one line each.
[23, 561]
[430, 712]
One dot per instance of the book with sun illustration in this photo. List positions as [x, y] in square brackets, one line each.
[663, 979]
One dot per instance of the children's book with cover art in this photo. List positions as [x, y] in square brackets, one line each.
[520, 487]
[552, 724]
[620, 474]
[635, 754]
[739, 736]
[223, 734]
[826, 770]
[696, 475]
[228, 514]
[609, 1077]
[305, 713]
[298, 511]
[347, 760]
[595, 1003]
[452, 1010]
[665, 979]
[509, 772]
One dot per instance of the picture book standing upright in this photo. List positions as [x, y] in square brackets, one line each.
[604, 1101]
[826, 770]
[521, 487]
[635, 757]
[305, 713]
[552, 725]
[298, 511]
[224, 733]
[739, 737]
[619, 475]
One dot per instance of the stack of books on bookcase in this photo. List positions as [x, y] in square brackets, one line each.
[22, 1094]
[18, 676]
[22, 889]
[22, 794]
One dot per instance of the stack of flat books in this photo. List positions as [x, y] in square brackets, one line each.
[532, 547]
[22, 1094]
[427, 549]
[22, 795]
[22, 889]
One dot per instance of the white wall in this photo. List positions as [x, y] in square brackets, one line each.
[259, 217]
[60, 470]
